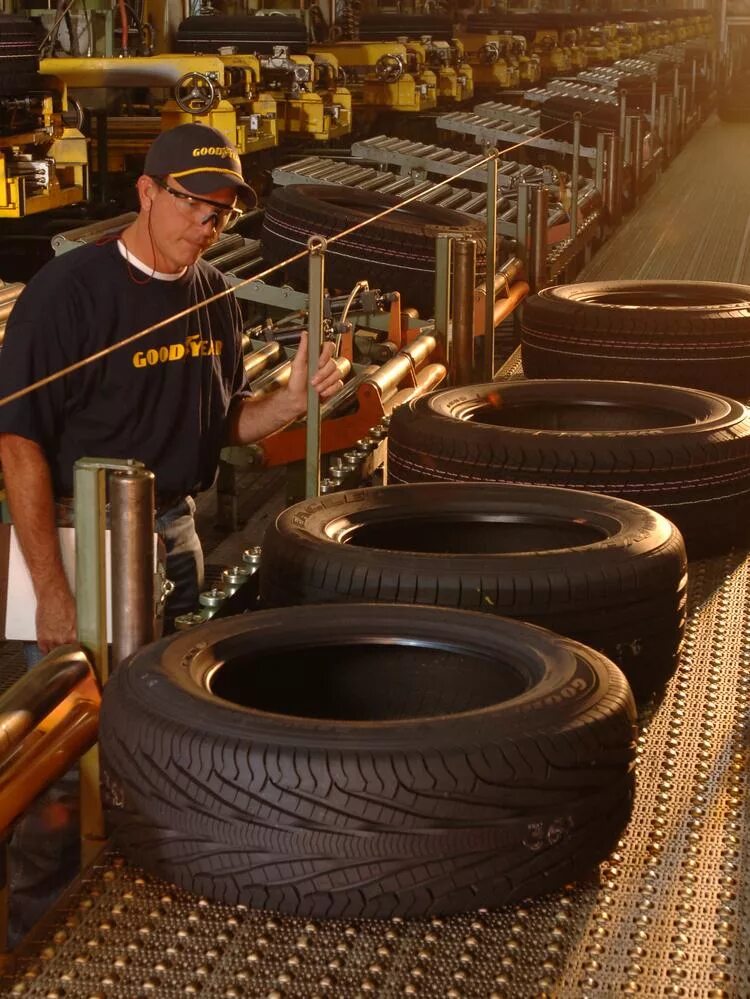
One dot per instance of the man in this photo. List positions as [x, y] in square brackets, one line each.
[171, 399]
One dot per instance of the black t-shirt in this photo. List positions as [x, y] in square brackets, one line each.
[162, 399]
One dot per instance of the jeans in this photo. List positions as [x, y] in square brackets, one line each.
[44, 848]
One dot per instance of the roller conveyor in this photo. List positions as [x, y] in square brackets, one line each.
[492, 131]
[664, 919]
[666, 916]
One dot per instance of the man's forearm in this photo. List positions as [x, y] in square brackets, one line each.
[28, 486]
[253, 419]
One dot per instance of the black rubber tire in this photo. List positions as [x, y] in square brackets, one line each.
[386, 27]
[247, 32]
[691, 333]
[607, 573]
[486, 762]
[19, 53]
[559, 110]
[397, 253]
[679, 451]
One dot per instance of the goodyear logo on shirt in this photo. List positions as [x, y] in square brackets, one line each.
[194, 346]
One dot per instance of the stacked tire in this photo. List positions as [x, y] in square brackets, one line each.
[602, 571]
[679, 451]
[689, 333]
[397, 252]
[20, 38]
[391, 761]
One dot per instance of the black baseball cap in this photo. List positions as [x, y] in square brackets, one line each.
[201, 158]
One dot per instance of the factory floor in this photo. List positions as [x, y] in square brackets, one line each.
[666, 917]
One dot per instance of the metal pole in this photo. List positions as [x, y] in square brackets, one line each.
[574, 175]
[488, 357]
[443, 271]
[89, 496]
[627, 152]
[133, 604]
[539, 212]
[599, 163]
[613, 190]
[653, 104]
[316, 260]
[637, 155]
[522, 222]
[623, 112]
[464, 282]
[663, 121]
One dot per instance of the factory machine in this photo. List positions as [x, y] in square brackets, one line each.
[43, 155]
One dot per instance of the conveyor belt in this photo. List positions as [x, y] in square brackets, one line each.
[668, 914]
[694, 223]
[665, 919]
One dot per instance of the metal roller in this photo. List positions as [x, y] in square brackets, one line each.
[260, 359]
[279, 376]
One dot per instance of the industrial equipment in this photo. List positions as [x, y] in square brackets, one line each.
[43, 157]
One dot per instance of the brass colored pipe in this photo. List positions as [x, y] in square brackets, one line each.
[279, 376]
[389, 376]
[46, 754]
[428, 378]
[259, 359]
[30, 700]
[505, 306]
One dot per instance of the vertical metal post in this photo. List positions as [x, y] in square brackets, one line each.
[613, 175]
[662, 124]
[522, 222]
[133, 604]
[90, 512]
[637, 155]
[676, 83]
[90, 502]
[670, 126]
[464, 282]
[627, 152]
[693, 77]
[539, 225]
[683, 112]
[316, 260]
[623, 112]
[574, 175]
[488, 355]
[443, 270]
[599, 163]
[653, 105]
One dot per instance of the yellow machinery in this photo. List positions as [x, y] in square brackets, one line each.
[500, 60]
[629, 38]
[253, 99]
[43, 156]
[575, 52]
[455, 77]
[554, 59]
[383, 75]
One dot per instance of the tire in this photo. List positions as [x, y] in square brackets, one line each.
[602, 571]
[397, 253]
[681, 452]
[386, 27]
[596, 115]
[694, 334]
[248, 33]
[19, 53]
[362, 779]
